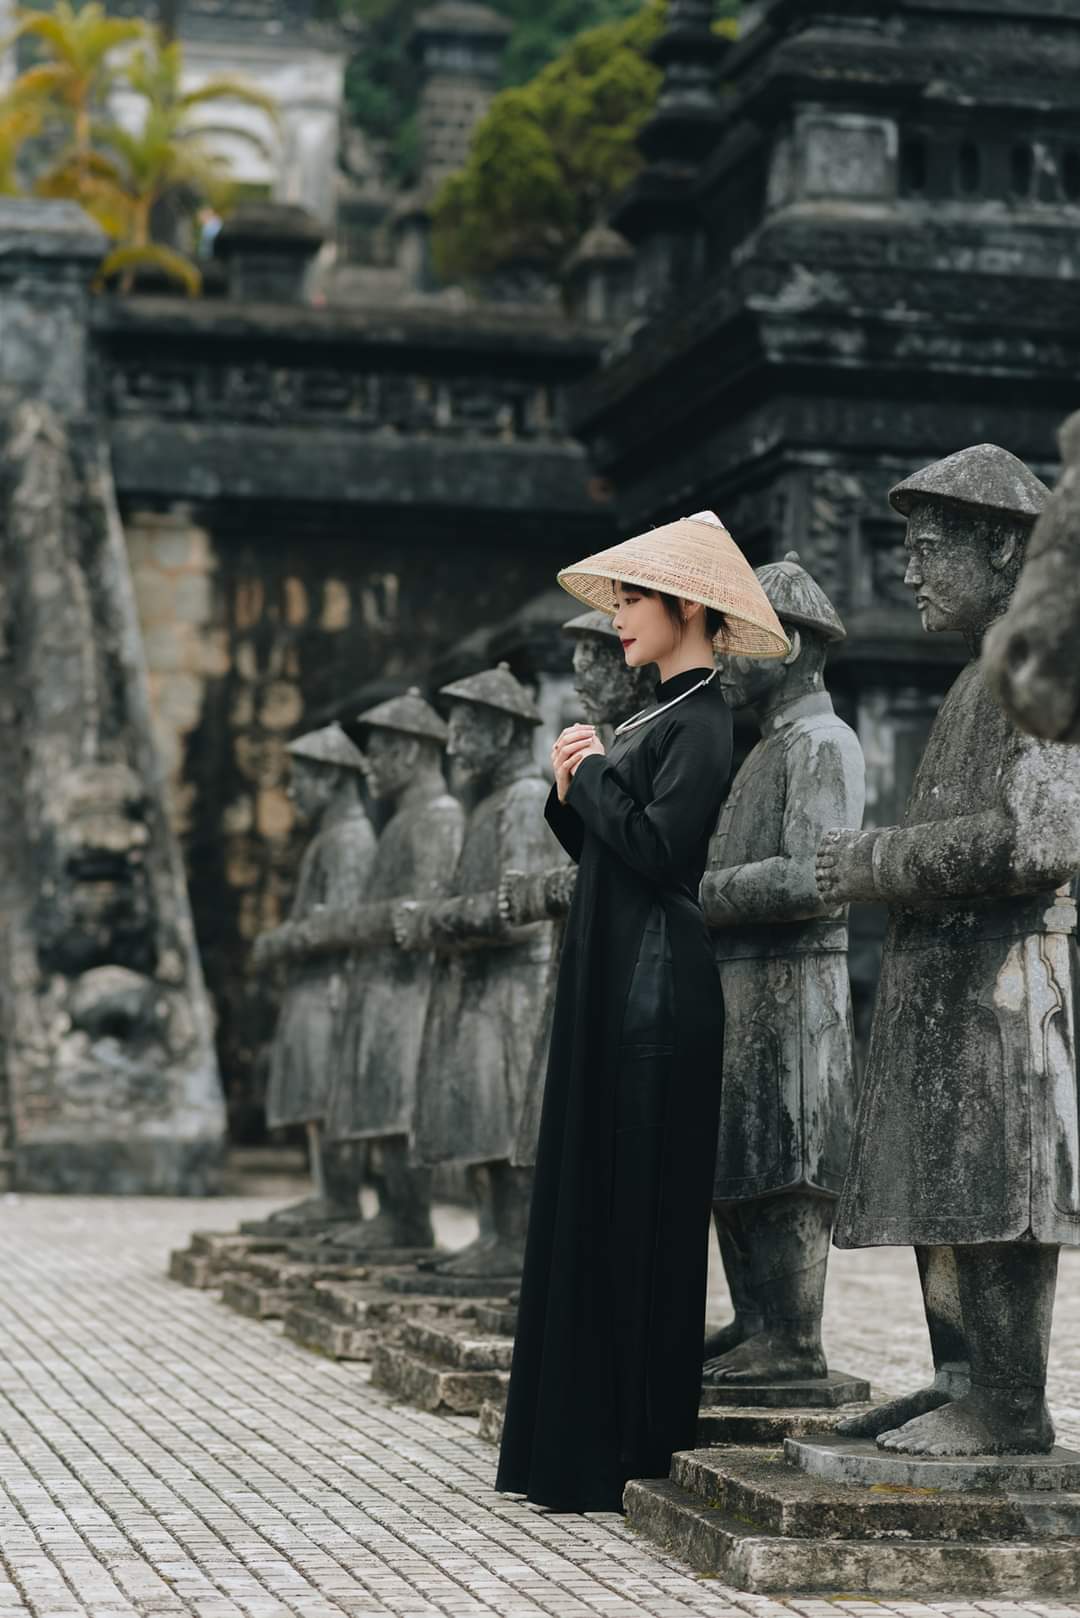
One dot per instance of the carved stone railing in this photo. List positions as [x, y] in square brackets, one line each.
[289, 402]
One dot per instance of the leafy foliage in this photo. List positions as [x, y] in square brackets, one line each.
[120, 175]
[549, 155]
[383, 84]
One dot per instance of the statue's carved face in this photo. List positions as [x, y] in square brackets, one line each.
[390, 761]
[961, 566]
[311, 787]
[609, 690]
[747, 682]
[479, 737]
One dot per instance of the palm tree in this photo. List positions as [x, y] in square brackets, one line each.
[19, 123]
[170, 152]
[80, 66]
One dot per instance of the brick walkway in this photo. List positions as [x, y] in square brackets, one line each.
[159, 1455]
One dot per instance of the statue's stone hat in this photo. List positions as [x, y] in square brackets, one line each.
[409, 714]
[799, 599]
[496, 688]
[588, 624]
[328, 746]
[983, 478]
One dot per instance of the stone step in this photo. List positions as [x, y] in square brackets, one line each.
[456, 1345]
[429, 1386]
[425, 1283]
[232, 1244]
[819, 1393]
[758, 1486]
[768, 1427]
[329, 1252]
[356, 1303]
[492, 1416]
[255, 1299]
[318, 1330]
[762, 1562]
[496, 1319]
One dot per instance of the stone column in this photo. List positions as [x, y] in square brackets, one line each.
[105, 1024]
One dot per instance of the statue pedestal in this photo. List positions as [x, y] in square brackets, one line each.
[325, 1250]
[1006, 1527]
[454, 1365]
[211, 1255]
[427, 1284]
[264, 1285]
[770, 1412]
[348, 1320]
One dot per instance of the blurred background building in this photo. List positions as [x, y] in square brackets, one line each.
[845, 245]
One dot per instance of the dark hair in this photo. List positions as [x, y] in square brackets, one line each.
[714, 619]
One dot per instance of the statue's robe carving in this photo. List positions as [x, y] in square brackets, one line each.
[968, 1127]
[789, 1082]
[333, 871]
[387, 989]
[488, 988]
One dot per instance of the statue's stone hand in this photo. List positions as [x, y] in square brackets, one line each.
[408, 924]
[271, 948]
[521, 898]
[844, 867]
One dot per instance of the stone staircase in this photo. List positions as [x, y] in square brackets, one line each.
[455, 1362]
[346, 1319]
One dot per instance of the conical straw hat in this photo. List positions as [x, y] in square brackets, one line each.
[697, 559]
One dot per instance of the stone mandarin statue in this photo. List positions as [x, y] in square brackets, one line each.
[325, 789]
[488, 989]
[967, 1140]
[1031, 656]
[386, 990]
[789, 1068]
[610, 692]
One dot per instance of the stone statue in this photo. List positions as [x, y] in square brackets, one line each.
[1030, 658]
[487, 993]
[609, 692]
[967, 1139]
[386, 989]
[789, 1067]
[106, 1030]
[325, 789]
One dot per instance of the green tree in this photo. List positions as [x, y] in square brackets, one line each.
[550, 155]
[382, 84]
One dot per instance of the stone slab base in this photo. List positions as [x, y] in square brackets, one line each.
[766, 1527]
[492, 1416]
[429, 1386]
[255, 1299]
[496, 1319]
[316, 1329]
[333, 1253]
[282, 1230]
[820, 1393]
[210, 1255]
[456, 1344]
[424, 1283]
[749, 1426]
[858, 1461]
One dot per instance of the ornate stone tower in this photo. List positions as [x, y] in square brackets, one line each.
[863, 258]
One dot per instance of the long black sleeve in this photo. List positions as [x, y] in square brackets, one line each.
[693, 762]
[566, 824]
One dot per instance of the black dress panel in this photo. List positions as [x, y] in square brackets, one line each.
[607, 1361]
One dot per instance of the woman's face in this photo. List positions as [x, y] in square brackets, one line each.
[643, 626]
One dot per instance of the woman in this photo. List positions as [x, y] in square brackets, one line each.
[607, 1362]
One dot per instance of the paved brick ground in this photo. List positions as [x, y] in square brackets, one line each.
[159, 1455]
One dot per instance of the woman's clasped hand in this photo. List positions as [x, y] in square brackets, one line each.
[575, 743]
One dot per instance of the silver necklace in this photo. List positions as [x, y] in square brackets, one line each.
[648, 714]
